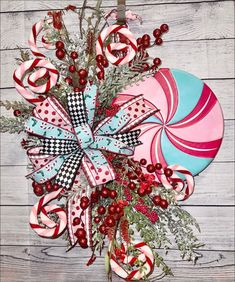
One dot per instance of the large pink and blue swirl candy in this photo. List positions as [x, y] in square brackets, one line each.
[188, 129]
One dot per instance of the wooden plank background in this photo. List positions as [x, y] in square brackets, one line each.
[201, 41]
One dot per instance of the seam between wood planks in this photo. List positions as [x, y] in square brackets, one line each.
[128, 5]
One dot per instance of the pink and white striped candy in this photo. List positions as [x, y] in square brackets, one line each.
[146, 256]
[131, 49]
[185, 188]
[44, 69]
[50, 229]
[36, 29]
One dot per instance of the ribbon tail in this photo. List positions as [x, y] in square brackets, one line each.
[68, 170]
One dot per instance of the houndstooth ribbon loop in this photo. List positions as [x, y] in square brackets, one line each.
[71, 142]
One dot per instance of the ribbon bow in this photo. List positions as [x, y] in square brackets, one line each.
[70, 141]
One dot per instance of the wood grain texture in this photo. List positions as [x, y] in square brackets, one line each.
[34, 263]
[189, 27]
[200, 41]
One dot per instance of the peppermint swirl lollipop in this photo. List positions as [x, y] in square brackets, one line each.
[188, 129]
[107, 49]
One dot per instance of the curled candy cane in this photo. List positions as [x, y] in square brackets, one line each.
[50, 229]
[146, 257]
[131, 49]
[185, 188]
[45, 70]
[36, 29]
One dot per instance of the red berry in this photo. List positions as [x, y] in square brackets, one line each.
[76, 89]
[118, 209]
[157, 61]
[164, 28]
[146, 44]
[148, 190]
[105, 63]
[85, 199]
[143, 161]
[157, 32]
[55, 187]
[97, 219]
[59, 45]
[110, 221]
[163, 204]
[94, 197]
[131, 176]
[101, 210]
[80, 233]
[76, 221]
[138, 171]
[158, 166]
[151, 168]
[113, 194]
[34, 184]
[132, 185]
[100, 75]
[139, 40]
[82, 81]
[83, 243]
[38, 190]
[82, 73]
[111, 209]
[17, 113]
[60, 54]
[146, 37]
[141, 192]
[157, 200]
[145, 66]
[158, 41]
[72, 68]
[74, 55]
[105, 192]
[49, 186]
[102, 229]
[99, 58]
[84, 205]
[168, 172]
[69, 80]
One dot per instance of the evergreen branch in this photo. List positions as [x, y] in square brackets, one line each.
[11, 125]
[16, 105]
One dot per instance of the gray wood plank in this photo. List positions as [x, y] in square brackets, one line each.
[213, 221]
[213, 186]
[187, 22]
[223, 89]
[15, 5]
[205, 59]
[34, 263]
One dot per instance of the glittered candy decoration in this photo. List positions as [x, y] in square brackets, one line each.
[121, 257]
[47, 227]
[44, 70]
[187, 130]
[130, 49]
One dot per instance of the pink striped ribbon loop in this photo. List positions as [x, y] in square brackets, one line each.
[120, 257]
[185, 188]
[37, 69]
[130, 49]
[36, 30]
[47, 228]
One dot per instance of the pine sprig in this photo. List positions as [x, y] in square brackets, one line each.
[16, 105]
[11, 125]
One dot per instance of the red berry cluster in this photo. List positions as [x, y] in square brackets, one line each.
[158, 201]
[101, 63]
[81, 236]
[82, 73]
[40, 189]
[144, 43]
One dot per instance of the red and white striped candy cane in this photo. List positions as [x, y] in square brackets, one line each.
[52, 229]
[45, 70]
[185, 188]
[107, 50]
[146, 257]
[36, 29]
